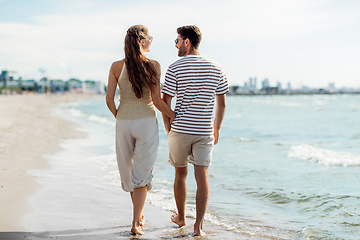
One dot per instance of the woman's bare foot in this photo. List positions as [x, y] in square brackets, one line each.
[142, 220]
[198, 229]
[137, 230]
[175, 219]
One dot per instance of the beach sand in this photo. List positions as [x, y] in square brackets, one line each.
[28, 130]
[43, 199]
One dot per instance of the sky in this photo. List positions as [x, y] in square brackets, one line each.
[302, 42]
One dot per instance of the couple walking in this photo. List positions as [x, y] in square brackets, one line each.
[198, 83]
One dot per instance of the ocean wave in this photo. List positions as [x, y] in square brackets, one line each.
[320, 102]
[162, 195]
[323, 156]
[102, 120]
[94, 118]
[76, 113]
[109, 166]
[240, 139]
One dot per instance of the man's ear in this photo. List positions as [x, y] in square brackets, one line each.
[187, 42]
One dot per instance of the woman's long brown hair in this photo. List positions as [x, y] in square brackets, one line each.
[141, 72]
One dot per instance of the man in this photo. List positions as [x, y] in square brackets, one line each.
[197, 82]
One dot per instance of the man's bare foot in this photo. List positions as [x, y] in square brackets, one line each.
[142, 220]
[175, 219]
[198, 229]
[137, 230]
[199, 232]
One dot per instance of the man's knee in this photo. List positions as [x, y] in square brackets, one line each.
[181, 172]
[201, 173]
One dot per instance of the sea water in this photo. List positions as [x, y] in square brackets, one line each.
[285, 167]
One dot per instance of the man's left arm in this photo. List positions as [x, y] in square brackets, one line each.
[219, 115]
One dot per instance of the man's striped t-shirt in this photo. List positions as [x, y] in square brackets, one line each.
[194, 80]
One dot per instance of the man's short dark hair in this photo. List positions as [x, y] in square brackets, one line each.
[192, 33]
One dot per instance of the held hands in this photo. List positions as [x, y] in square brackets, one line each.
[167, 123]
[168, 127]
[172, 119]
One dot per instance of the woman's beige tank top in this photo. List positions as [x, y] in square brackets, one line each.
[131, 107]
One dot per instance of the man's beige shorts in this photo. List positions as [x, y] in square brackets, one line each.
[189, 148]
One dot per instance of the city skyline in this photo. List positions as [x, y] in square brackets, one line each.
[305, 43]
[7, 79]
[251, 88]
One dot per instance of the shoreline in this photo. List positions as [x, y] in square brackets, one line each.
[28, 130]
[68, 197]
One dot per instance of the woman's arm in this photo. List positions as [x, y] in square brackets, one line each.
[167, 121]
[156, 98]
[114, 73]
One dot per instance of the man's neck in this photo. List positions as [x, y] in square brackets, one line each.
[193, 52]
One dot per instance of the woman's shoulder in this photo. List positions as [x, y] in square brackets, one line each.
[117, 67]
[118, 64]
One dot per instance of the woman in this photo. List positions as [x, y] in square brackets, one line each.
[137, 136]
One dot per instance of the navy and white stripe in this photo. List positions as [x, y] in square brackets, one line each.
[194, 80]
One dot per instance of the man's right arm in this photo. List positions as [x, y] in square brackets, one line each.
[219, 115]
[167, 98]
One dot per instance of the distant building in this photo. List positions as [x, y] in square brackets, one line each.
[57, 85]
[252, 84]
[4, 78]
[233, 89]
[9, 78]
[43, 85]
[28, 85]
[270, 90]
[10, 82]
[265, 83]
[305, 89]
[90, 86]
[74, 85]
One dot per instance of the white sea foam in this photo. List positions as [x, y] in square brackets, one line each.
[162, 195]
[323, 156]
[102, 120]
[76, 113]
[94, 118]
[240, 139]
[320, 102]
[109, 166]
